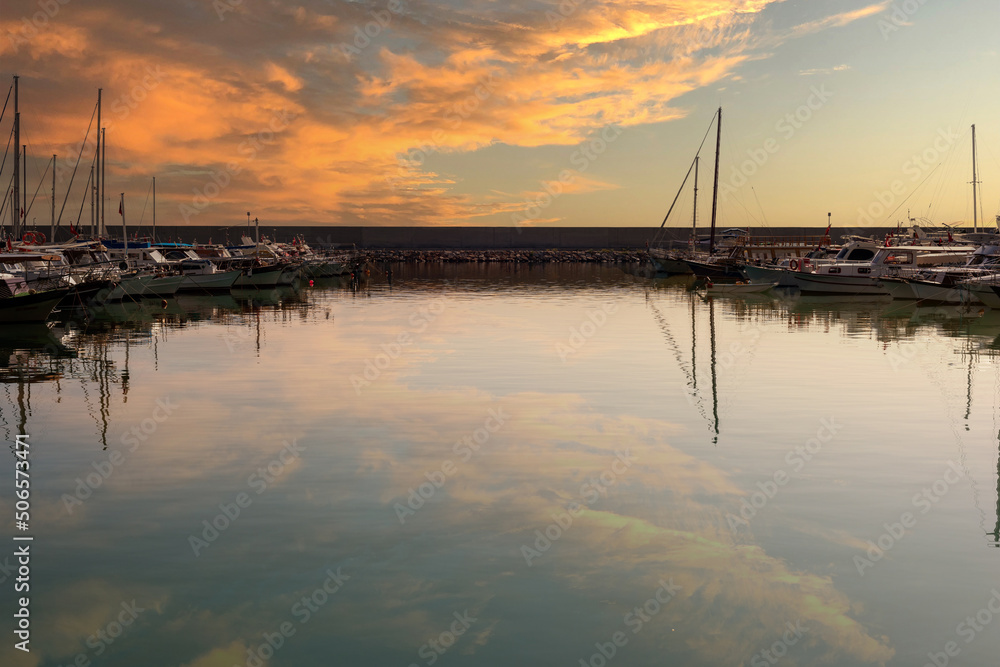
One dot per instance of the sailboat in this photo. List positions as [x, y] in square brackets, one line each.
[737, 244]
[666, 261]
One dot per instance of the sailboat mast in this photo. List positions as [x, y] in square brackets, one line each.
[715, 186]
[124, 231]
[52, 226]
[104, 155]
[16, 200]
[154, 209]
[694, 215]
[98, 177]
[975, 207]
[24, 184]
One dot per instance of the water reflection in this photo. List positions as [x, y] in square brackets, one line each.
[666, 375]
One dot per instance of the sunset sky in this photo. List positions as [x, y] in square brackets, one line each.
[572, 113]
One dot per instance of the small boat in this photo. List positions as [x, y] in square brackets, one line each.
[30, 306]
[720, 289]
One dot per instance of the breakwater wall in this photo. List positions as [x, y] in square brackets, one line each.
[474, 238]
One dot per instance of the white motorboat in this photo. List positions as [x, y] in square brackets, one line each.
[863, 277]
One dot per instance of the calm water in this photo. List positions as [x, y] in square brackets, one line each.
[482, 465]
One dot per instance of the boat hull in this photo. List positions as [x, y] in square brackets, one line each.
[162, 286]
[260, 276]
[28, 307]
[664, 263]
[930, 293]
[289, 274]
[220, 282]
[818, 284]
[899, 288]
[770, 275]
[988, 293]
[714, 271]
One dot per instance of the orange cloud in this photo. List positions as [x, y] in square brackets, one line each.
[362, 125]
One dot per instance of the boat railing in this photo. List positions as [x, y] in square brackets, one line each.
[788, 241]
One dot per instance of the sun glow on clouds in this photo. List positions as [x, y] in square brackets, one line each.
[375, 94]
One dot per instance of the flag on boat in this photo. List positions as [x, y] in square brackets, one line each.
[120, 211]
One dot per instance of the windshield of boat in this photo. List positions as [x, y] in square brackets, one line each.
[896, 257]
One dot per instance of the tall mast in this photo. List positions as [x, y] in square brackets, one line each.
[694, 215]
[715, 186]
[975, 211]
[93, 191]
[16, 200]
[124, 231]
[104, 155]
[24, 184]
[98, 176]
[52, 227]
[154, 209]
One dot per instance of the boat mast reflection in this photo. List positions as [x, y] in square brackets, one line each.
[690, 371]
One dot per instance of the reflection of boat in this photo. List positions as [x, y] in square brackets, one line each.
[270, 297]
[35, 336]
[206, 305]
[30, 306]
[735, 289]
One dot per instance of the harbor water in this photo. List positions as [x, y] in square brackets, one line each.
[486, 464]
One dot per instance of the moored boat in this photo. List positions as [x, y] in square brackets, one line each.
[30, 306]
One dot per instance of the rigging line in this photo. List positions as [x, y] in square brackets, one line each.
[86, 191]
[697, 153]
[948, 173]
[749, 214]
[9, 91]
[32, 202]
[752, 189]
[73, 175]
[7, 150]
[141, 215]
[909, 195]
[31, 145]
[6, 195]
[692, 381]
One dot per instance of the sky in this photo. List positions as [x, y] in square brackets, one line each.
[534, 113]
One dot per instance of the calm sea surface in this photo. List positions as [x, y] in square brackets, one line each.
[485, 465]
